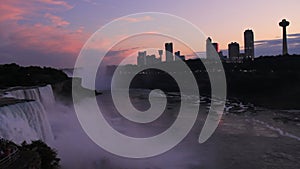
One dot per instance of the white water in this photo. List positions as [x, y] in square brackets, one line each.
[278, 130]
[27, 120]
[42, 94]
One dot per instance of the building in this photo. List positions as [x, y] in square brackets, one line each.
[160, 52]
[216, 46]
[212, 49]
[249, 44]
[144, 59]
[177, 55]
[151, 59]
[169, 52]
[221, 55]
[233, 50]
[141, 59]
[182, 57]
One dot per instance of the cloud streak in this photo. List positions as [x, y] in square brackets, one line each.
[56, 20]
[137, 19]
[274, 46]
[26, 34]
[57, 3]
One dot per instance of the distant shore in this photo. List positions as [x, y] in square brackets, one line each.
[271, 81]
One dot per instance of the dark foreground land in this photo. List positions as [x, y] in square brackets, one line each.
[36, 155]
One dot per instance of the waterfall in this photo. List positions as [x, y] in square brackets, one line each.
[42, 94]
[25, 121]
[46, 95]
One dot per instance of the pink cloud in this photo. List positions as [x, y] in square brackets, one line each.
[54, 39]
[9, 11]
[14, 10]
[140, 19]
[56, 20]
[57, 2]
[48, 38]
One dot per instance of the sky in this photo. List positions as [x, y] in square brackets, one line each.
[52, 32]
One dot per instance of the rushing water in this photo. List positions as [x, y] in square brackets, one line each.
[42, 94]
[238, 139]
[247, 136]
[27, 120]
[24, 122]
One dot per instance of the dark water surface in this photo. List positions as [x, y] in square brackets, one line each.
[247, 137]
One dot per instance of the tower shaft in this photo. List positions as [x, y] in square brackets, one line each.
[284, 42]
[284, 23]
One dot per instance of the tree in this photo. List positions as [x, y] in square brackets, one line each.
[48, 156]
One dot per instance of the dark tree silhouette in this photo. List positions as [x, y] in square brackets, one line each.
[48, 156]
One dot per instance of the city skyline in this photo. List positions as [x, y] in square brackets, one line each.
[233, 50]
[51, 33]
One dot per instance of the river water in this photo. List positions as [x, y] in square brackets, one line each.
[247, 137]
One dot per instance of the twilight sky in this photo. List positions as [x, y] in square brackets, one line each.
[52, 32]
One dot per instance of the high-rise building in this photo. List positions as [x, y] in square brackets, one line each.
[212, 49]
[144, 59]
[233, 50]
[177, 55]
[141, 59]
[216, 46]
[151, 59]
[249, 44]
[160, 52]
[169, 52]
[209, 39]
